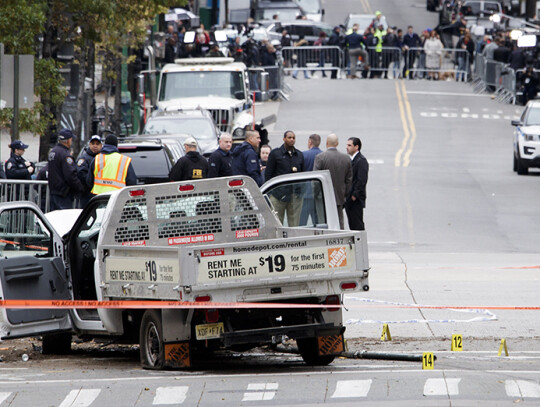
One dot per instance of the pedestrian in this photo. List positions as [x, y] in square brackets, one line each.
[110, 170]
[391, 52]
[17, 167]
[300, 57]
[339, 165]
[2, 173]
[245, 158]
[465, 57]
[336, 40]
[411, 43]
[309, 208]
[191, 166]
[433, 48]
[64, 184]
[356, 199]
[286, 159]
[220, 161]
[530, 85]
[84, 160]
[355, 44]
[264, 153]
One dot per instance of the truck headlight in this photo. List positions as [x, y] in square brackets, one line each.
[239, 132]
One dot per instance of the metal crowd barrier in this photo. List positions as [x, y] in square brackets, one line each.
[387, 60]
[22, 190]
[454, 64]
[312, 58]
[276, 86]
[496, 77]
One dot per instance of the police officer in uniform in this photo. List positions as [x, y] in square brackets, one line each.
[17, 167]
[83, 165]
[110, 170]
[191, 166]
[64, 184]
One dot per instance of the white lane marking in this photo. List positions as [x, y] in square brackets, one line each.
[522, 388]
[441, 387]
[466, 110]
[352, 388]
[4, 396]
[80, 398]
[417, 92]
[171, 395]
[260, 391]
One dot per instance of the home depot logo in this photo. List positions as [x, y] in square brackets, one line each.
[337, 257]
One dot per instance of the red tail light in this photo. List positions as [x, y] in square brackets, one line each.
[137, 192]
[348, 285]
[211, 315]
[185, 188]
[332, 300]
[203, 298]
[236, 183]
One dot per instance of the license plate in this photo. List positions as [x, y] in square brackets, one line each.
[209, 331]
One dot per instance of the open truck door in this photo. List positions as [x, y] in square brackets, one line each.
[31, 268]
[304, 199]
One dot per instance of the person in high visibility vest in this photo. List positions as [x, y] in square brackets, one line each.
[110, 170]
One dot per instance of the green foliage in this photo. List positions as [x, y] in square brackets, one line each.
[20, 23]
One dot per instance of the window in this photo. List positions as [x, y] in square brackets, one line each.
[22, 233]
[299, 203]
[177, 85]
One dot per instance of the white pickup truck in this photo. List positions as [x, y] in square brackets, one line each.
[206, 241]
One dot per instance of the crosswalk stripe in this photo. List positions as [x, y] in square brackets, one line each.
[352, 388]
[522, 388]
[80, 398]
[4, 396]
[441, 387]
[262, 394]
[170, 395]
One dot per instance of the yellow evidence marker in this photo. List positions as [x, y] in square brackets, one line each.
[457, 343]
[386, 333]
[503, 346]
[428, 361]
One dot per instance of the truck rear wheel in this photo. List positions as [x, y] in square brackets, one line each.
[151, 340]
[309, 350]
[56, 344]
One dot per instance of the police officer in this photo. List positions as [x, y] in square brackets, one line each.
[17, 167]
[64, 184]
[220, 161]
[83, 165]
[191, 166]
[110, 170]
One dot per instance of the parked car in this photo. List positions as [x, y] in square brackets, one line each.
[267, 9]
[312, 9]
[480, 8]
[180, 124]
[309, 29]
[363, 21]
[152, 159]
[527, 138]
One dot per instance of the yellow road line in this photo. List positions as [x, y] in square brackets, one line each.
[397, 158]
[366, 6]
[407, 156]
[409, 128]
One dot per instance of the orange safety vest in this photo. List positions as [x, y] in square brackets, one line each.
[110, 171]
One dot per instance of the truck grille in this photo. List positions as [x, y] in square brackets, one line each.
[222, 117]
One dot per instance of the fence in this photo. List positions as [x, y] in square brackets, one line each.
[312, 58]
[497, 77]
[276, 86]
[451, 63]
[22, 190]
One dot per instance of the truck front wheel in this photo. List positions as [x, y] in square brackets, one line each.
[309, 350]
[151, 340]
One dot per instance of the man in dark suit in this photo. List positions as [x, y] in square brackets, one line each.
[308, 209]
[356, 200]
[339, 165]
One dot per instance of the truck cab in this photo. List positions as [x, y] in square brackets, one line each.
[202, 241]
